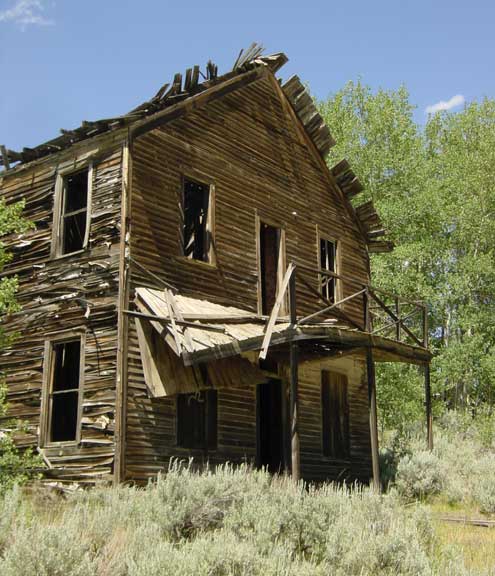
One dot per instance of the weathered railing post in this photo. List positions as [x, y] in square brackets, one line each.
[370, 371]
[429, 415]
[294, 380]
[397, 313]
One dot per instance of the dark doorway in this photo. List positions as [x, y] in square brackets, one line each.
[269, 265]
[270, 428]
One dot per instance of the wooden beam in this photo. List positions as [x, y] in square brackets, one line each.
[331, 307]
[294, 384]
[275, 310]
[429, 417]
[196, 101]
[394, 317]
[370, 370]
[169, 320]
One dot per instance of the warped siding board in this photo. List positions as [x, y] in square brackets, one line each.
[48, 289]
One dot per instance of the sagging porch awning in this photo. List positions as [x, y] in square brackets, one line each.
[198, 332]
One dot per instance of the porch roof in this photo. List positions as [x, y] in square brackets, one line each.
[202, 331]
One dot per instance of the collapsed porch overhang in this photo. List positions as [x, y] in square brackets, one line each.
[198, 331]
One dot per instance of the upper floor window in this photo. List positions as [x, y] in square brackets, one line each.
[271, 266]
[328, 269]
[71, 220]
[197, 220]
[62, 391]
[334, 415]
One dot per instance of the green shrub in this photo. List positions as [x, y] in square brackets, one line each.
[420, 475]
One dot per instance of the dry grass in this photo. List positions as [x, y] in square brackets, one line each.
[477, 544]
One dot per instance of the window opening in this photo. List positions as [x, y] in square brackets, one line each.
[271, 261]
[197, 418]
[328, 263]
[64, 391]
[196, 232]
[74, 211]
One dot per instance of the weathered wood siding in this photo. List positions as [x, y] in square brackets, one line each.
[248, 145]
[68, 293]
[313, 464]
[261, 166]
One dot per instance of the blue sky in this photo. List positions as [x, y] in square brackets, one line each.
[64, 61]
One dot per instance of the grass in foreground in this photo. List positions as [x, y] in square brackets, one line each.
[231, 522]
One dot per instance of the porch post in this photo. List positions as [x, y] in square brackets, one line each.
[294, 378]
[370, 369]
[429, 416]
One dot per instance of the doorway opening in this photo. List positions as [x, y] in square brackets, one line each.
[270, 425]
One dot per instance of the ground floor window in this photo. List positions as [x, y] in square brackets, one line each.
[334, 415]
[197, 420]
[63, 390]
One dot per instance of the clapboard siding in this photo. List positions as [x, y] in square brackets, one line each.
[70, 293]
[261, 166]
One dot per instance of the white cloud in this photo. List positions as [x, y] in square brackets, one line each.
[26, 13]
[455, 101]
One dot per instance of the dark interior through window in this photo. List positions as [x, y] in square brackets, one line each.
[269, 264]
[74, 211]
[195, 228]
[64, 391]
[197, 420]
[335, 415]
[328, 252]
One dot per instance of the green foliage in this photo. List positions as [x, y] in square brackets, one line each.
[419, 475]
[434, 187]
[235, 521]
[461, 468]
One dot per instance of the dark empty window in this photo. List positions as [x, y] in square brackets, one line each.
[270, 255]
[328, 267]
[64, 390]
[335, 415]
[196, 229]
[74, 212]
[197, 420]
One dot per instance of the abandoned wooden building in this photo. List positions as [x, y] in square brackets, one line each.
[197, 284]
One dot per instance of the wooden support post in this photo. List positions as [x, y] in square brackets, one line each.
[294, 377]
[429, 416]
[397, 313]
[366, 311]
[370, 369]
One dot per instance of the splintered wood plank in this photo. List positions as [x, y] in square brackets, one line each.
[275, 311]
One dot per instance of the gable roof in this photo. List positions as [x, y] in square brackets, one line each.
[188, 86]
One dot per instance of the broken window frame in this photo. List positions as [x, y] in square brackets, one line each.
[209, 256]
[326, 276]
[209, 439]
[330, 450]
[48, 393]
[282, 262]
[59, 215]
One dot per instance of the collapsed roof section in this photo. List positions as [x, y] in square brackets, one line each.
[185, 86]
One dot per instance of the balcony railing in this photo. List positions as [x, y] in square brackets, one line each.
[382, 312]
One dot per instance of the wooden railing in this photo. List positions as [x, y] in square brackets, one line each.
[381, 312]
